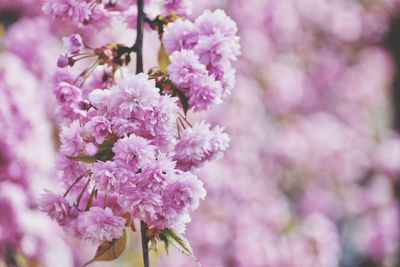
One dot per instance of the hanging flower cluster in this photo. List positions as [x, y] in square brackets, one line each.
[128, 150]
[201, 56]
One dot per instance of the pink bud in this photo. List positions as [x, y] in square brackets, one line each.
[84, 104]
[91, 149]
[62, 61]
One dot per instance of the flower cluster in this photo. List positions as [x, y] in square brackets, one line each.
[101, 14]
[136, 163]
[128, 151]
[80, 12]
[201, 57]
[23, 173]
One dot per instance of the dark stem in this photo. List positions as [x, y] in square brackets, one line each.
[10, 258]
[145, 244]
[138, 47]
[73, 184]
[81, 194]
[392, 42]
[139, 37]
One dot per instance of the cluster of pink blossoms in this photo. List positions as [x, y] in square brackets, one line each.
[128, 152]
[201, 56]
[101, 14]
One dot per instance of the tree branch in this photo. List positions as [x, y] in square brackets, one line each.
[145, 244]
[138, 48]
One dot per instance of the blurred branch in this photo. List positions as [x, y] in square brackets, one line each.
[392, 43]
[10, 258]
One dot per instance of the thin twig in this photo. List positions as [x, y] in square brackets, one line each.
[179, 129]
[185, 119]
[73, 184]
[183, 125]
[81, 194]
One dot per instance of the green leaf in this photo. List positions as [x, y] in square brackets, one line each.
[84, 158]
[178, 241]
[166, 243]
[109, 250]
[105, 150]
[163, 58]
[105, 153]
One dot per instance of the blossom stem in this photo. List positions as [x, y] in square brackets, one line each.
[90, 200]
[11, 260]
[138, 47]
[185, 119]
[81, 194]
[73, 184]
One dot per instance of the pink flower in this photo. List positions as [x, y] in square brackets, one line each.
[71, 140]
[182, 8]
[56, 206]
[198, 145]
[123, 127]
[98, 225]
[100, 99]
[216, 48]
[219, 143]
[66, 93]
[143, 204]
[78, 11]
[225, 73]
[108, 176]
[210, 23]
[218, 40]
[184, 193]
[193, 147]
[99, 127]
[130, 16]
[179, 35]
[100, 17]
[63, 61]
[68, 97]
[185, 68]
[156, 174]
[159, 125]
[91, 149]
[133, 152]
[134, 96]
[205, 93]
[73, 43]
